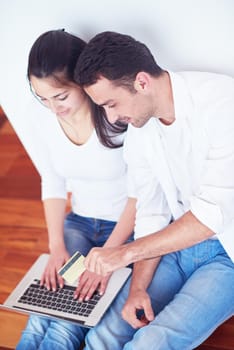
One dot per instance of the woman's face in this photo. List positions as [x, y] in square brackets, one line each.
[63, 100]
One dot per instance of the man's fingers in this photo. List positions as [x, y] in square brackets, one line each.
[138, 311]
[99, 261]
[136, 323]
[130, 316]
[149, 313]
[90, 262]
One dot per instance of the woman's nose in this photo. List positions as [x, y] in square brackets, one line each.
[111, 116]
[53, 105]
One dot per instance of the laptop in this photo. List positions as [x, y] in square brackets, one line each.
[31, 298]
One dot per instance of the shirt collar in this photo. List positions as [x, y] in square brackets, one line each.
[181, 98]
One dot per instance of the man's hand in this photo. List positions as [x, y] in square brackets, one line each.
[103, 261]
[50, 278]
[138, 301]
[89, 282]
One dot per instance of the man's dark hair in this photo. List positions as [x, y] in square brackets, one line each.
[117, 57]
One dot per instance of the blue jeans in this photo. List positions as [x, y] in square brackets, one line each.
[80, 233]
[191, 293]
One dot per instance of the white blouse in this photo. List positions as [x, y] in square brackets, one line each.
[93, 173]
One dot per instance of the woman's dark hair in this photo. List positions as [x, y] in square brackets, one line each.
[55, 54]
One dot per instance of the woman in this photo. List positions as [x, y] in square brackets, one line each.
[83, 154]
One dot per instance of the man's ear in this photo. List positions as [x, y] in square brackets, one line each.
[141, 82]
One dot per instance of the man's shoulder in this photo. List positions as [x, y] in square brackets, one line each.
[199, 78]
[204, 88]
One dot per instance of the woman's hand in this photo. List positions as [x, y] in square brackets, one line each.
[50, 278]
[89, 282]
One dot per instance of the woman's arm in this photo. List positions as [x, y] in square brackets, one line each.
[125, 226]
[55, 210]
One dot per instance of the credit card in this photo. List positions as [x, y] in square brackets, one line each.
[73, 268]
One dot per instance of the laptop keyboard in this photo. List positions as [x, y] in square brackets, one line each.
[61, 300]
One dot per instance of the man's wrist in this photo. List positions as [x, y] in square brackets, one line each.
[129, 253]
[132, 253]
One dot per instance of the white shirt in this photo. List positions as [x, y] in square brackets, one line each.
[93, 173]
[188, 165]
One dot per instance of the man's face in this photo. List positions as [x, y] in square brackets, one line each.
[120, 104]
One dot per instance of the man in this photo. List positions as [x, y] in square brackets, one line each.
[180, 154]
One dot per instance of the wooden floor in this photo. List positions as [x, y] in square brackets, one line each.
[23, 235]
[22, 228]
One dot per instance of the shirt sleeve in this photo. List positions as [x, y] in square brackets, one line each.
[52, 184]
[153, 213]
[213, 203]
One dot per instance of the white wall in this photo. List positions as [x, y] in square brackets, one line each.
[183, 35]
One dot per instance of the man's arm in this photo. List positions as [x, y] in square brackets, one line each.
[182, 233]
